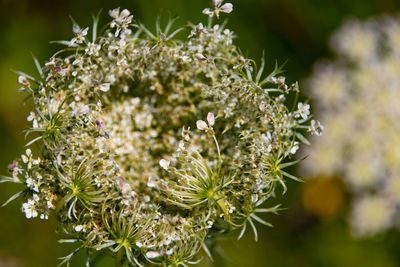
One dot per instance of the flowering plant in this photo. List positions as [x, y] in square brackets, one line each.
[149, 145]
[357, 95]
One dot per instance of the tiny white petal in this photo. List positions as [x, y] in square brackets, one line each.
[23, 80]
[227, 8]
[152, 254]
[35, 124]
[170, 251]
[78, 228]
[208, 11]
[126, 188]
[210, 119]
[294, 149]
[200, 57]
[76, 29]
[164, 164]
[31, 116]
[24, 159]
[152, 182]
[104, 87]
[124, 13]
[201, 125]
[181, 146]
[85, 31]
[114, 13]
[217, 3]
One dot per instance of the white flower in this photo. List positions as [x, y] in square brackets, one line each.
[25, 158]
[225, 8]
[316, 128]
[104, 87]
[121, 20]
[23, 80]
[371, 214]
[30, 183]
[31, 116]
[152, 182]
[201, 125]
[126, 189]
[170, 252]
[181, 146]
[29, 209]
[210, 119]
[304, 110]
[79, 35]
[294, 148]
[81, 110]
[164, 164]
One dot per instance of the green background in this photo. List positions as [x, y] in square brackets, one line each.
[297, 30]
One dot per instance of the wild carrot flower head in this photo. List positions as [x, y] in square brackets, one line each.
[357, 95]
[118, 162]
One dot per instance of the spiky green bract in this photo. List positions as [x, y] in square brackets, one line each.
[119, 165]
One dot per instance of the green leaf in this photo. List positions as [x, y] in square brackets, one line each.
[12, 198]
[302, 138]
[260, 71]
[6, 179]
[95, 24]
[285, 165]
[292, 177]
[68, 258]
[39, 68]
[69, 240]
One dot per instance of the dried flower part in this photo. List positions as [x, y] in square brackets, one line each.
[118, 163]
[357, 95]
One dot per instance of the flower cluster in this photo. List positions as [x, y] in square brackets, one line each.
[151, 144]
[357, 95]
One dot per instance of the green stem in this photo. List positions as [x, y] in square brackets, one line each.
[219, 154]
[210, 20]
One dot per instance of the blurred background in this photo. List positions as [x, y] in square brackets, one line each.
[312, 231]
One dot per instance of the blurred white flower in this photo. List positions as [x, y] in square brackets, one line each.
[164, 164]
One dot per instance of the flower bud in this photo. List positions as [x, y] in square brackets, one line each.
[210, 119]
[164, 164]
[201, 125]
